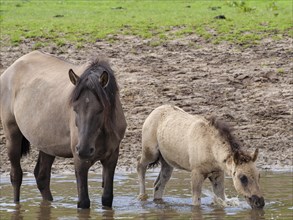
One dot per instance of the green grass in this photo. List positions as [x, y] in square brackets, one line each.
[75, 22]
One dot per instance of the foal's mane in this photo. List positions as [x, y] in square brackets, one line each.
[90, 80]
[226, 132]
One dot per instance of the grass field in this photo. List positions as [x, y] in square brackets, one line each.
[75, 22]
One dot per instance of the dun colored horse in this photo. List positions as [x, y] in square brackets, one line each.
[205, 147]
[79, 116]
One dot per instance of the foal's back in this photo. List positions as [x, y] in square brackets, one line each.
[178, 136]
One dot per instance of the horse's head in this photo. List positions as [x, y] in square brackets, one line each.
[246, 178]
[92, 106]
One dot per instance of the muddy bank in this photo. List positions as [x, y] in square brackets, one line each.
[250, 88]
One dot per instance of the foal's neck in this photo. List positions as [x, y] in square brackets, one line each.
[224, 158]
[228, 165]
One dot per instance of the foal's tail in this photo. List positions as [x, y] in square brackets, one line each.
[25, 146]
[155, 163]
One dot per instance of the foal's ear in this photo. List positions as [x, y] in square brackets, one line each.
[236, 157]
[255, 154]
[104, 79]
[73, 77]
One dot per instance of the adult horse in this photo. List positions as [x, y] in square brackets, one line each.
[205, 147]
[79, 116]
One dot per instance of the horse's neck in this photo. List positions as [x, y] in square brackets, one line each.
[222, 155]
[228, 166]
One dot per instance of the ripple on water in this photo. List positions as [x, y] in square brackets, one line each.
[176, 204]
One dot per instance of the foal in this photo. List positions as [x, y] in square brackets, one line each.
[205, 147]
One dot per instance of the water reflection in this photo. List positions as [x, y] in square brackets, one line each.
[108, 214]
[84, 214]
[44, 211]
[161, 210]
[257, 214]
[175, 205]
[17, 213]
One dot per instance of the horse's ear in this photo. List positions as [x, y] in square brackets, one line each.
[236, 157]
[73, 77]
[104, 79]
[255, 154]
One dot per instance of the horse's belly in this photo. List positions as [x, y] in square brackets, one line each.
[45, 125]
[181, 165]
[176, 156]
[60, 151]
[174, 147]
[50, 138]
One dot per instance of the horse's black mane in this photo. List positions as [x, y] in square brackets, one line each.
[226, 132]
[90, 79]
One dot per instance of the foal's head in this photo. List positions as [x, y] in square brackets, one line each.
[93, 101]
[242, 165]
[246, 177]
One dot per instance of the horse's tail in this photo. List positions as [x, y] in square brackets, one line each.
[25, 146]
[155, 163]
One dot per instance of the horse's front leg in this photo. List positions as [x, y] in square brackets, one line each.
[42, 174]
[109, 166]
[197, 180]
[81, 173]
[217, 179]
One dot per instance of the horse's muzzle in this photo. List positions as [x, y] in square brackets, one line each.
[256, 202]
[85, 152]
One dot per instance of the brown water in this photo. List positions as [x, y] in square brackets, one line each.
[277, 187]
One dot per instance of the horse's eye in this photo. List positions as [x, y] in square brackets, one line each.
[244, 180]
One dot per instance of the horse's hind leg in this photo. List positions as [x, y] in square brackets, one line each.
[141, 170]
[16, 146]
[42, 174]
[143, 161]
[162, 179]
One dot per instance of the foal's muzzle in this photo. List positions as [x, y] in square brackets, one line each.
[256, 202]
[85, 152]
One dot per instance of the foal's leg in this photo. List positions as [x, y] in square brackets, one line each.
[197, 180]
[163, 178]
[109, 166]
[141, 170]
[150, 154]
[14, 144]
[217, 179]
[142, 163]
[42, 174]
[81, 173]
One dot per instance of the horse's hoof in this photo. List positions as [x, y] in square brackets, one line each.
[197, 204]
[159, 201]
[106, 208]
[143, 197]
[107, 201]
[84, 205]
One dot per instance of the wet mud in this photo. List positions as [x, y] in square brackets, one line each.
[251, 88]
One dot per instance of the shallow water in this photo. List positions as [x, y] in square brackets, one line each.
[277, 187]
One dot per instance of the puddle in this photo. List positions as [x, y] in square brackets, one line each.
[277, 187]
